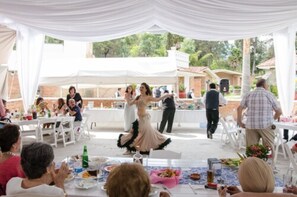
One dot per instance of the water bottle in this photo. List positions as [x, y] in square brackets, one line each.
[137, 157]
[85, 158]
[49, 113]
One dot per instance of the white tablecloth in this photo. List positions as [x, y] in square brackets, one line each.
[117, 115]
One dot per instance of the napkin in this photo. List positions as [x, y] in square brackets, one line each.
[167, 181]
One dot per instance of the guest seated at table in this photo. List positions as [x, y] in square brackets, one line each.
[62, 108]
[254, 175]
[37, 163]
[129, 180]
[2, 110]
[41, 106]
[74, 110]
[10, 165]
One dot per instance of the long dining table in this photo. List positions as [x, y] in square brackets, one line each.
[185, 188]
[105, 115]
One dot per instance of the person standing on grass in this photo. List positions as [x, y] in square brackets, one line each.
[212, 100]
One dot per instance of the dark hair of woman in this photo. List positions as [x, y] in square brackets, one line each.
[131, 89]
[9, 135]
[148, 90]
[61, 102]
[35, 158]
[72, 87]
[39, 100]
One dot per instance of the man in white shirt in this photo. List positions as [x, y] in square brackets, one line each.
[212, 100]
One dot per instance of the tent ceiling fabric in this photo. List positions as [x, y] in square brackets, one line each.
[94, 20]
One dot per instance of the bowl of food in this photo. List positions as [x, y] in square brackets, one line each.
[195, 176]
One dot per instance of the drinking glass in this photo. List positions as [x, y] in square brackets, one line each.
[287, 178]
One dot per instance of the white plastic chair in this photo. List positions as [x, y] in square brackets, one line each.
[164, 154]
[230, 131]
[82, 131]
[279, 142]
[51, 130]
[66, 128]
[291, 157]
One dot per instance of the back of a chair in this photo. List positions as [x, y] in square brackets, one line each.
[164, 154]
[291, 157]
[67, 123]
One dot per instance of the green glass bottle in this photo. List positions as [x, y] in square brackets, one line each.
[85, 158]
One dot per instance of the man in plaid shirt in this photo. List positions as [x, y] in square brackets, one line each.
[260, 105]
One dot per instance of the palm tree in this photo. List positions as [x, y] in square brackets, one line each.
[196, 60]
[246, 69]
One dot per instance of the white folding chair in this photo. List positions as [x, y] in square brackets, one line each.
[230, 131]
[291, 157]
[51, 130]
[279, 142]
[66, 128]
[164, 154]
[82, 130]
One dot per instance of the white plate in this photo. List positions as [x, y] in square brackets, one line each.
[154, 189]
[85, 183]
[70, 177]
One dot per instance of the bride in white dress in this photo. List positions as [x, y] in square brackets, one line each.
[129, 110]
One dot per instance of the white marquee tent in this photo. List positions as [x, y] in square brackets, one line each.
[108, 71]
[93, 20]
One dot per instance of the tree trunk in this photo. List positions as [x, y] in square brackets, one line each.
[89, 50]
[254, 53]
[246, 69]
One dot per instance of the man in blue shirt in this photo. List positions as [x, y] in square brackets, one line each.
[74, 110]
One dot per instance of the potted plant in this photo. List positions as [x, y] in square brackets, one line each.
[181, 90]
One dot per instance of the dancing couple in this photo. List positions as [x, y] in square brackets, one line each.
[143, 135]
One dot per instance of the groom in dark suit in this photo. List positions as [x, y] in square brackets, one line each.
[168, 113]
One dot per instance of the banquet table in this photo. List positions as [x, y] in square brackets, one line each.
[286, 125]
[104, 115]
[181, 190]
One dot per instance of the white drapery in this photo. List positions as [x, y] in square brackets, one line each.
[285, 67]
[7, 40]
[94, 20]
[3, 82]
[29, 56]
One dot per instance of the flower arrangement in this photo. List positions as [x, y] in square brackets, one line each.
[258, 150]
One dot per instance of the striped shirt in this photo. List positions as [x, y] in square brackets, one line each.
[260, 104]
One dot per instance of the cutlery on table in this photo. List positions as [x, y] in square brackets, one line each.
[192, 189]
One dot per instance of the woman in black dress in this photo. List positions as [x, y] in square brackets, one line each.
[74, 95]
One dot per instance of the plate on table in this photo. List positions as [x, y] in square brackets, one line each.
[70, 177]
[231, 162]
[86, 175]
[85, 183]
[110, 168]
